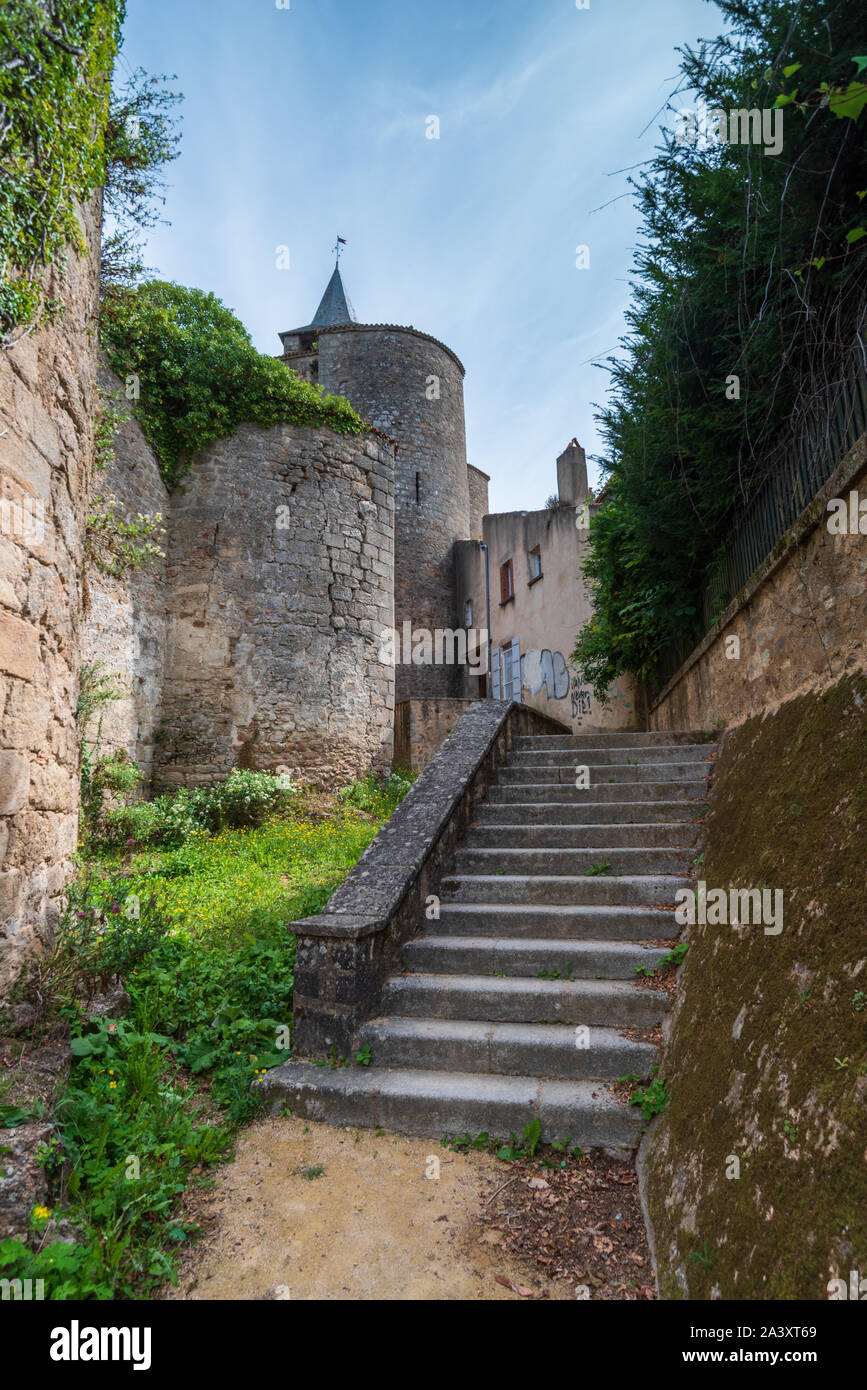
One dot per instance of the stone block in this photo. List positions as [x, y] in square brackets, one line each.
[19, 647]
[14, 782]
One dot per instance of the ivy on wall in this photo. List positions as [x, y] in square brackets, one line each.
[193, 375]
[55, 64]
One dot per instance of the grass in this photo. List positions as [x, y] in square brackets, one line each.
[199, 935]
[245, 879]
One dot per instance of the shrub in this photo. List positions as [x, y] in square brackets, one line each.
[248, 798]
[102, 937]
[377, 795]
[245, 798]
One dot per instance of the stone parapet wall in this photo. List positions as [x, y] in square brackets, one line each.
[345, 954]
[799, 623]
[47, 409]
[280, 580]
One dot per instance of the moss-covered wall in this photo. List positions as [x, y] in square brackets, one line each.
[767, 1056]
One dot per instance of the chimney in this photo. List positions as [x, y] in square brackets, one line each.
[572, 487]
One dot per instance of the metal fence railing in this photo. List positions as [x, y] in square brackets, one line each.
[797, 472]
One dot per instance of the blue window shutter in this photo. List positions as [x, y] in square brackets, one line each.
[516, 671]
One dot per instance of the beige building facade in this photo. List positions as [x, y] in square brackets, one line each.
[527, 570]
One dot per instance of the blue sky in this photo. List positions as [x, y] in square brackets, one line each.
[305, 122]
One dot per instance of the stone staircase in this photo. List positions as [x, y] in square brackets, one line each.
[522, 999]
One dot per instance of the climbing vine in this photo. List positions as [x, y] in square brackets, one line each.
[55, 65]
[110, 415]
[117, 544]
[142, 136]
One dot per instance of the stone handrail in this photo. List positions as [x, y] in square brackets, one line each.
[345, 954]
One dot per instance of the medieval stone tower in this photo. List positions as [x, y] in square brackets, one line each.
[409, 385]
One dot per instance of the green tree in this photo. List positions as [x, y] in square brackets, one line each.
[750, 265]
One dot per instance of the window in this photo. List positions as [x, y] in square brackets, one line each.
[535, 559]
[507, 582]
[468, 613]
[506, 671]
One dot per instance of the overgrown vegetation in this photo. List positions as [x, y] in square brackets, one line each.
[102, 774]
[197, 933]
[141, 138]
[514, 1150]
[199, 376]
[55, 62]
[111, 414]
[653, 1098]
[117, 544]
[245, 798]
[751, 266]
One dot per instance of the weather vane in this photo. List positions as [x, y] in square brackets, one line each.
[341, 241]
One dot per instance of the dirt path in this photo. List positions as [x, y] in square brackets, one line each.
[372, 1226]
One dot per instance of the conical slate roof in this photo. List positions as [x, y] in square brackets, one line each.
[334, 307]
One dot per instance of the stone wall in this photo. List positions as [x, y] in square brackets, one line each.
[757, 1164]
[279, 585]
[799, 624]
[420, 726]
[411, 386]
[47, 406]
[478, 486]
[124, 628]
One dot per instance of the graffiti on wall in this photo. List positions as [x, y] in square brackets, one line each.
[548, 669]
[581, 706]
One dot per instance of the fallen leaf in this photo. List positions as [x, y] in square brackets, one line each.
[516, 1288]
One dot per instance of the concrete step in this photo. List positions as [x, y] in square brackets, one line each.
[485, 1031]
[618, 861]
[442, 954]
[521, 1049]
[435, 1103]
[622, 739]
[611, 774]
[607, 1003]
[643, 890]
[683, 792]
[591, 813]
[613, 757]
[637, 836]
[558, 922]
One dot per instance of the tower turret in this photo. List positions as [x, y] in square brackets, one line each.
[411, 386]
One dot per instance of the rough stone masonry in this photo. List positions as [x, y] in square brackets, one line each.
[47, 410]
